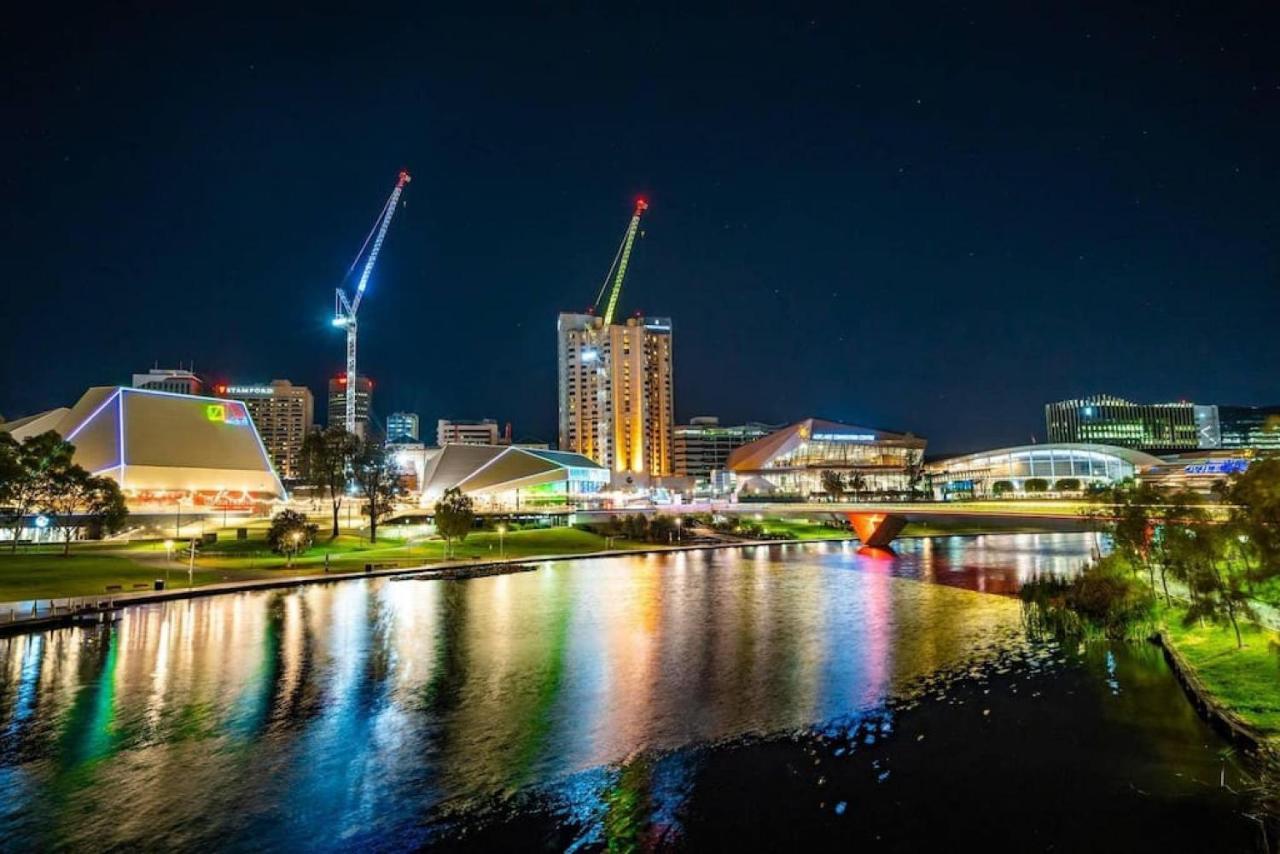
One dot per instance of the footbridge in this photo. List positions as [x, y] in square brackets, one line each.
[878, 524]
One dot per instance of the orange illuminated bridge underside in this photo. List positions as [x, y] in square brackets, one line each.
[876, 529]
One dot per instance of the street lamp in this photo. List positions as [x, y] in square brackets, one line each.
[502, 549]
[679, 527]
[296, 537]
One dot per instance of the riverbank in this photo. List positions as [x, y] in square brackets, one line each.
[1237, 688]
[114, 568]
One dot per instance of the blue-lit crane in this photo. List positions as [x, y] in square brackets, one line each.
[344, 310]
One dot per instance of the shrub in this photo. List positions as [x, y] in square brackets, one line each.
[1036, 484]
[1000, 487]
[291, 533]
[1067, 484]
[1105, 600]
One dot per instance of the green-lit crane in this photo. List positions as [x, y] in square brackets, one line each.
[619, 267]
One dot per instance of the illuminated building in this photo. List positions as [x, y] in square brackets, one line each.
[506, 477]
[338, 402]
[1204, 473]
[175, 380]
[283, 413]
[1108, 420]
[1064, 467]
[703, 446]
[165, 449]
[402, 427]
[1249, 427]
[482, 432]
[790, 462]
[616, 403]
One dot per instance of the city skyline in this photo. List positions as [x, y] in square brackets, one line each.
[851, 233]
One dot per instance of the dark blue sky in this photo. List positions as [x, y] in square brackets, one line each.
[932, 217]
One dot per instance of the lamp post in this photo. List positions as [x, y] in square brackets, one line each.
[502, 549]
[191, 566]
[295, 537]
[168, 550]
[679, 528]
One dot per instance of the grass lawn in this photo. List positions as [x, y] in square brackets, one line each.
[941, 527]
[802, 529]
[1247, 680]
[43, 572]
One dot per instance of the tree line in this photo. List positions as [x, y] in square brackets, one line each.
[335, 461]
[1174, 545]
[38, 477]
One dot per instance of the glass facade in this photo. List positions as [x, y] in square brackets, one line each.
[975, 475]
[1249, 427]
[791, 461]
[703, 446]
[1114, 421]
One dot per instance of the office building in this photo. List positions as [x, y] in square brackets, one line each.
[702, 446]
[1062, 468]
[1248, 427]
[1107, 420]
[284, 414]
[482, 432]
[402, 427]
[173, 380]
[790, 462]
[338, 402]
[616, 402]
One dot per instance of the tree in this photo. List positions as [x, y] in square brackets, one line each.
[1067, 484]
[1255, 498]
[29, 477]
[1216, 580]
[914, 473]
[1035, 484]
[455, 514]
[75, 498]
[377, 480]
[832, 484]
[857, 485]
[326, 458]
[291, 533]
[1000, 487]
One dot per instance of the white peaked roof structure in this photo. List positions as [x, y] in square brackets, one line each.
[159, 442]
[488, 469]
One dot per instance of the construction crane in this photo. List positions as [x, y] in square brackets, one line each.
[618, 269]
[344, 310]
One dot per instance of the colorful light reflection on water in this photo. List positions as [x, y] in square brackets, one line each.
[384, 714]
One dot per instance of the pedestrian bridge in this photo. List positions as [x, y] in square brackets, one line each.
[878, 524]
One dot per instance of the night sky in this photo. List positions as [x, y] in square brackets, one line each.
[931, 218]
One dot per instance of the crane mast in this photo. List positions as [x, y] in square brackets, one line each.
[344, 310]
[620, 261]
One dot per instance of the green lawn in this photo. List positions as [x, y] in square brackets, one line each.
[1247, 680]
[44, 573]
[802, 529]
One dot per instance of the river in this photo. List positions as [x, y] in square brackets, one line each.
[762, 697]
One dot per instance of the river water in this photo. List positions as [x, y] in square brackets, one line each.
[751, 698]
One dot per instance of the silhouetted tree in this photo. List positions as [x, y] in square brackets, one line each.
[832, 484]
[291, 533]
[327, 457]
[30, 470]
[74, 498]
[374, 471]
[455, 514]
